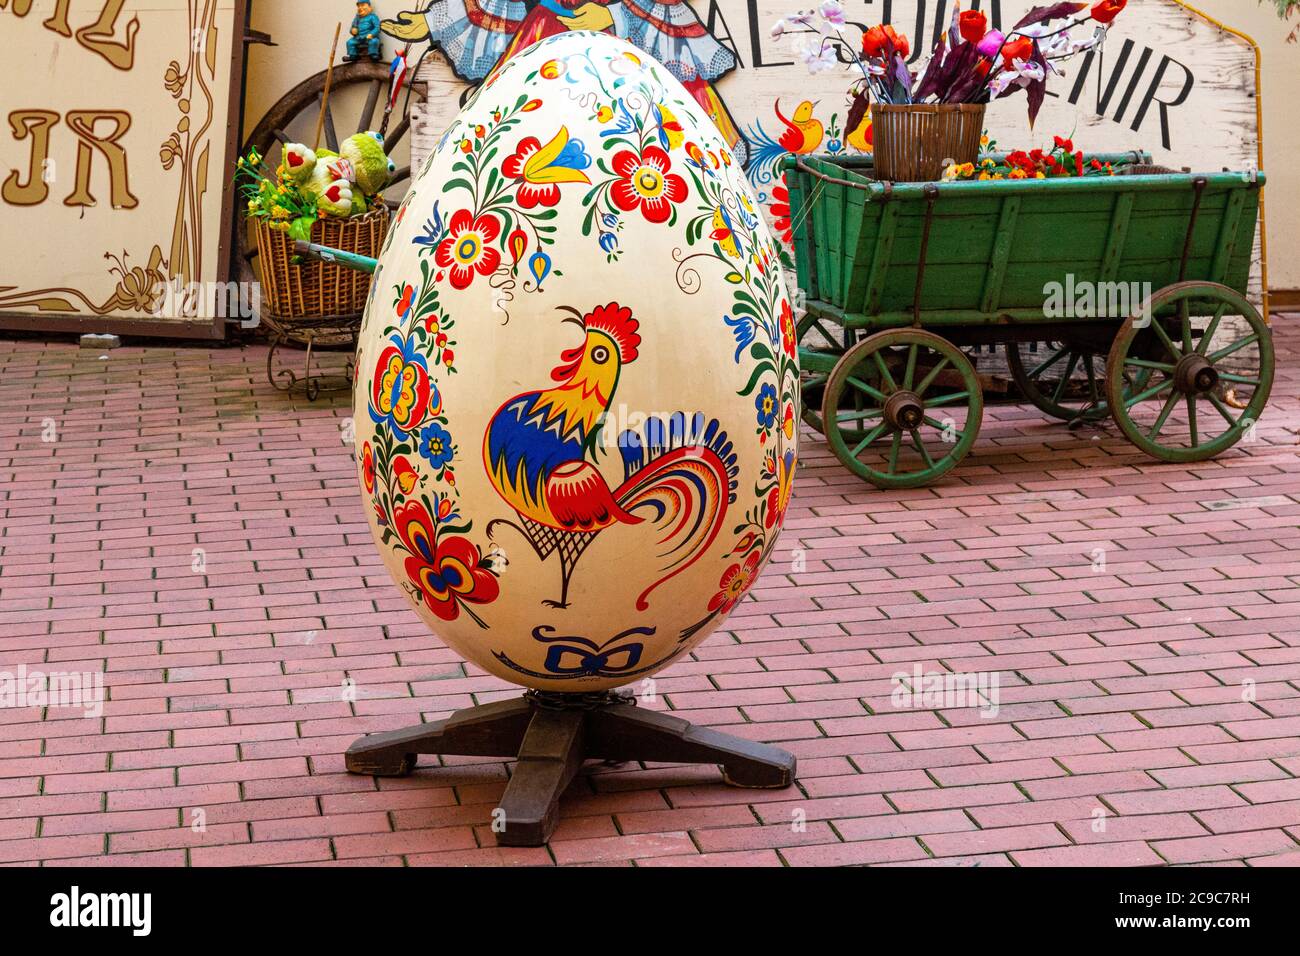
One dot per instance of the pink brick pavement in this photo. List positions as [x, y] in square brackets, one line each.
[1124, 735]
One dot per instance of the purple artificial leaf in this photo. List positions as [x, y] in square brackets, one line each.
[962, 78]
[1037, 92]
[857, 111]
[933, 72]
[1053, 12]
[903, 77]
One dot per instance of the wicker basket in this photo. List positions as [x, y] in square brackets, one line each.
[312, 290]
[912, 142]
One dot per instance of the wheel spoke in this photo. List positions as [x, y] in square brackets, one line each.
[1149, 393]
[1191, 419]
[1164, 337]
[1065, 379]
[1223, 410]
[866, 389]
[884, 371]
[944, 426]
[920, 446]
[857, 414]
[1239, 379]
[1211, 329]
[1093, 392]
[911, 366]
[931, 376]
[947, 399]
[1147, 363]
[893, 452]
[815, 378]
[1164, 416]
[872, 435]
[1234, 347]
[1052, 360]
[1187, 326]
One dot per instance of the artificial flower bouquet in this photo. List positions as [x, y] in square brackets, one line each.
[918, 115]
[1061, 161]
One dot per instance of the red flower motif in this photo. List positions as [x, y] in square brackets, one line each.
[368, 467]
[781, 212]
[467, 247]
[734, 583]
[645, 182]
[788, 339]
[446, 572]
[406, 301]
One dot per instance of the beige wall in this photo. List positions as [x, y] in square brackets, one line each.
[305, 41]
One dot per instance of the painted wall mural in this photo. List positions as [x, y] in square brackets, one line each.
[1168, 81]
[112, 187]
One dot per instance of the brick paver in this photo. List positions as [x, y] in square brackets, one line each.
[170, 522]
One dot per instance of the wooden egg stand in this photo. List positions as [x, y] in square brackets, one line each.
[552, 734]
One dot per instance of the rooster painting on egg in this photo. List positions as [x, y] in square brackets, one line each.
[539, 444]
[579, 375]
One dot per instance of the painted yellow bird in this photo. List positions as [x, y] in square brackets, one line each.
[803, 133]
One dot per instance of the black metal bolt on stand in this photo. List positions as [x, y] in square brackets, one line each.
[552, 734]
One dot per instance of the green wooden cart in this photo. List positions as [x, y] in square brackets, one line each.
[1119, 296]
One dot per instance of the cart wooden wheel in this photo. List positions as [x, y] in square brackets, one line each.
[1065, 380]
[916, 411]
[1209, 381]
[821, 344]
[1061, 379]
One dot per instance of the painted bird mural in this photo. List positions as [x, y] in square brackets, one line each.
[803, 133]
[540, 450]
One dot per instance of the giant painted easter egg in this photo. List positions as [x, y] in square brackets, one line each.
[576, 381]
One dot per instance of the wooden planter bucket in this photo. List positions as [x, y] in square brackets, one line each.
[316, 289]
[912, 142]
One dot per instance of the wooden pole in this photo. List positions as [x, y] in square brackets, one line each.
[329, 78]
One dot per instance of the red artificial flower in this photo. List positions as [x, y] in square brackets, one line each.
[883, 40]
[1065, 144]
[444, 572]
[1021, 48]
[467, 249]
[973, 25]
[1107, 10]
[646, 182]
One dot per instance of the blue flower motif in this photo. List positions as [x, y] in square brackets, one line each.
[743, 328]
[435, 445]
[766, 404]
[609, 220]
[608, 241]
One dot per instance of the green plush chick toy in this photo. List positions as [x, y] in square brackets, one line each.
[372, 166]
[331, 184]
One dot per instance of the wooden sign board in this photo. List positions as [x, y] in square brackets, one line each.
[118, 123]
[1169, 80]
